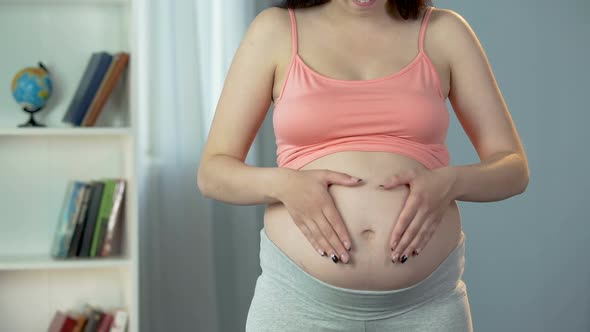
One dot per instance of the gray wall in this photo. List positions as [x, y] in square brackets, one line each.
[526, 261]
[526, 264]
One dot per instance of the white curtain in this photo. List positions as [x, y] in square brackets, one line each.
[199, 257]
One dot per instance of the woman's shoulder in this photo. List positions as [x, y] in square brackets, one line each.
[271, 19]
[444, 23]
[270, 30]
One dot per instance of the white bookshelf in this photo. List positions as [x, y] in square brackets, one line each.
[37, 163]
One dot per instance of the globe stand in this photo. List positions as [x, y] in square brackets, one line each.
[31, 122]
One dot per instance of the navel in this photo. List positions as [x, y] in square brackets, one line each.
[368, 234]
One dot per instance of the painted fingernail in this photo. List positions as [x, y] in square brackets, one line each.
[334, 258]
[404, 259]
[417, 251]
[322, 253]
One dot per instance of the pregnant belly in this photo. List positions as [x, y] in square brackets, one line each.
[369, 214]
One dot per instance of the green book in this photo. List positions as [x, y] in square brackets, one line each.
[106, 204]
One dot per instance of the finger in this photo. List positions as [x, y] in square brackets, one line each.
[311, 238]
[332, 177]
[400, 252]
[401, 178]
[329, 233]
[428, 233]
[320, 238]
[415, 247]
[393, 182]
[335, 219]
[301, 223]
[406, 215]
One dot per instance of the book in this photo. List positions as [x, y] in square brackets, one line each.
[83, 87]
[76, 241]
[120, 321]
[104, 211]
[67, 219]
[80, 323]
[94, 318]
[72, 226]
[90, 318]
[118, 65]
[61, 322]
[105, 322]
[113, 225]
[92, 216]
[89, 83]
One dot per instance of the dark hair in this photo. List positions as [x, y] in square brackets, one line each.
[406, 8]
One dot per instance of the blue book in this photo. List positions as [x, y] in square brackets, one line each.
[68, 216]
[88, 87]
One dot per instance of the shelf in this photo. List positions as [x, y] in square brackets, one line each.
[37, 163]
[77, 131]
[45, 262]
[64, 2]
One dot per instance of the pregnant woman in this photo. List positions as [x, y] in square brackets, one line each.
[362, 231]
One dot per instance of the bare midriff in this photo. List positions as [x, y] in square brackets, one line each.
[369, 213]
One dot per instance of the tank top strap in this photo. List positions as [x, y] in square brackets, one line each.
[293, 31]
[425, 19]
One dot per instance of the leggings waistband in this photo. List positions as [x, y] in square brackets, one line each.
[355, 303]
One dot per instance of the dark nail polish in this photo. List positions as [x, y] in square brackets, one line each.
[414, 253]
[381, 186]
[359, 180]
[393, 260]
[404, 258]
[334, 258]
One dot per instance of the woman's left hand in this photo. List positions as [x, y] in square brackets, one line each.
[429, 197]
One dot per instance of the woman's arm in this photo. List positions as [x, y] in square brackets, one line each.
[242, 107]
[480, 108]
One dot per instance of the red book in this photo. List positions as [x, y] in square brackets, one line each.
[105, 322]
[62, 323]
[109, 82]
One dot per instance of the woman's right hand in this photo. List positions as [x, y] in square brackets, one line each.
[306, 197]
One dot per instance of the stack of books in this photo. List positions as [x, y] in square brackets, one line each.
[90, 219]
[90, 319]
[97, 83]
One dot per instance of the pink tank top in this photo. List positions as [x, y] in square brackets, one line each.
[404, 112]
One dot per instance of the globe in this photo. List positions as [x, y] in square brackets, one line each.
[31, 88]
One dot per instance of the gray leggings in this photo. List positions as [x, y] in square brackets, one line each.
[287, 298]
